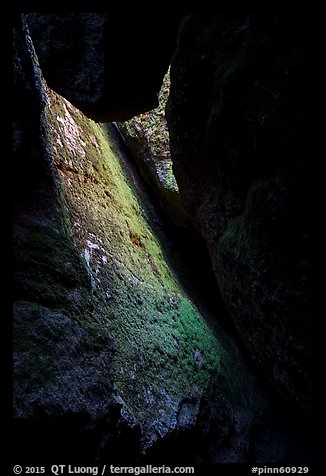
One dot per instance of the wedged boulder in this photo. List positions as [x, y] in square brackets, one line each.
[106, 342]
[109, 65]
[112, 361]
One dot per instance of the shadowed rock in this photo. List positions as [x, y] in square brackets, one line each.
[110, 65]
[239, 117]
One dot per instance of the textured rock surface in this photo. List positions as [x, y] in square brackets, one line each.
[239, 118]
[111, 358]
[147, 138]
[110, 65]
[57, 375]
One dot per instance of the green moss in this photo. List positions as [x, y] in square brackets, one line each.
[148, 355]
[102, 243]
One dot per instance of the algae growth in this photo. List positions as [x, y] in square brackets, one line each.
[165, 351]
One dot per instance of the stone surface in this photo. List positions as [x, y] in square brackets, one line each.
[112, 361]
[147, 138]
[239, 117]
[97, 307]
[110, 65]
[61, 386]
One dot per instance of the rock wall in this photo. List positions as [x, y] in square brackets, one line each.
[62, 382]
[239, 117]
[112, 360]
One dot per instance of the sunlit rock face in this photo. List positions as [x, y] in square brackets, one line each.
[239, 117]
[112, 360]
[241, 93]
[110, 65]
[147, 138]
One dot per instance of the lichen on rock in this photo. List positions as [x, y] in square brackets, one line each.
[151, 131]
[140, 301]
[147, 137]
[109, 351]
[95, 264]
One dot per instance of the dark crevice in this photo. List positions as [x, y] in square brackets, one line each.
[111, 345]
[186, 252]
[184, 249]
